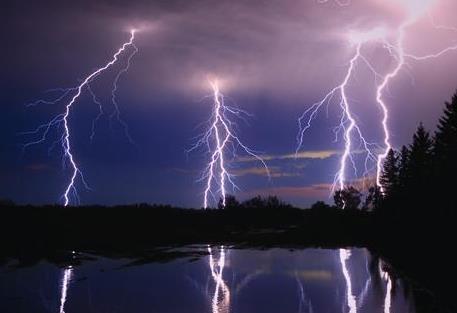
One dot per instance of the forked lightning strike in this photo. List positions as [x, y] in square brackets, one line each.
[348, 123]
[63, 118]
[219, 139]
[401, 56]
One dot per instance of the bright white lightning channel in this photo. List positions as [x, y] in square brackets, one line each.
[220, 138]
[348, 123]
[62, 120]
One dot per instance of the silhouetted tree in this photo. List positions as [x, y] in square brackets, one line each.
[403, 164]
[420, 169]
[390, 174]
[445, 154]
[373, 199]
[273, 202]
[320, 205]
[230, 203]
[348, 198]
[254, 203]
[420, 159]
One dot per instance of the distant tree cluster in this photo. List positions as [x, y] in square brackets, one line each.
[270, 202]
[422, 175]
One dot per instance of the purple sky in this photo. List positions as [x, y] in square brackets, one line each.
[274, 58]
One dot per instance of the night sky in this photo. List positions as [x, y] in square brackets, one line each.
[274, 58]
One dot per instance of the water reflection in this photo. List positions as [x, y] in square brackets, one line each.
[345, 254]
[303, 304]
[67, 274]
[221, 297]
[225, 281]
[355, 303]
[388, 298]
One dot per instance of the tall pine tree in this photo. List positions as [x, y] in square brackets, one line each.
[403, 164]
[420, 167]
[445, 154]
[389, 177]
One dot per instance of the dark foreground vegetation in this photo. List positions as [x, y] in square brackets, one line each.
[411, 222]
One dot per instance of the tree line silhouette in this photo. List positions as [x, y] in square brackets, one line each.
[417, 179]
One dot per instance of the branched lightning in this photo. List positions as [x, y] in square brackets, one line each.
[219, 138]
[400, 55]
[348, 123]
[62, 119]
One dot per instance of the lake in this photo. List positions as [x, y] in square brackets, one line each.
[226, 280]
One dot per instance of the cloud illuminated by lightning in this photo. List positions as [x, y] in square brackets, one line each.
[62, 119]
[220, 138]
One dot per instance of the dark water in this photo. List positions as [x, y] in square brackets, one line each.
[228, 280]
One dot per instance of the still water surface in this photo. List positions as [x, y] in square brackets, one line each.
[227, 280]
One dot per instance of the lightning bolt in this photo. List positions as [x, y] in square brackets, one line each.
[62, 119]
[221, 296]
[67, 275]
[401, 56]
[348, 123]
[218, 138]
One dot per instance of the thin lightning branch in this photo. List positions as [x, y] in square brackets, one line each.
[117, 112]
[433, 55]
[440, 26]
[218, 138]
[100, 111]
[62, 120]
